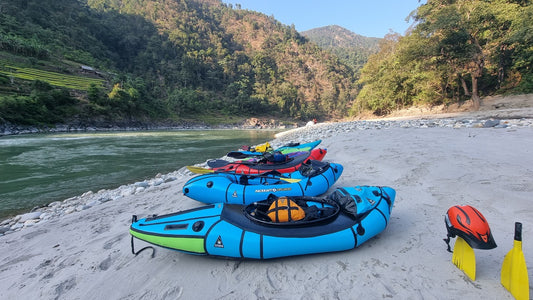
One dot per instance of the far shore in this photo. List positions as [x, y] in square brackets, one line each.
[493, 107]
[15, 130]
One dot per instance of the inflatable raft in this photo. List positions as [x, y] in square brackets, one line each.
[286, 149]
[291, 164]
[315, 178]
[344, 220]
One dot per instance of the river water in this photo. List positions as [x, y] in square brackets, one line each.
[38, 169]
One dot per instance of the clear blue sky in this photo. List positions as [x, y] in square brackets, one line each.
[372, 18]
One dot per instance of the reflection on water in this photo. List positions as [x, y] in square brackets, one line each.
[38, 169]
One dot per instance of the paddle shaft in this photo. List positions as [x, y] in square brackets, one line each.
[200, 170]
[518, 231]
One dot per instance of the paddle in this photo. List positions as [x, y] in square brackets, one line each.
[200, 170]
[464, 258]
[514, 275]
[219, 163]
[298, 155]
[242, 155]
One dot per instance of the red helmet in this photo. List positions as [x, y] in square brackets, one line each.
[468, 223]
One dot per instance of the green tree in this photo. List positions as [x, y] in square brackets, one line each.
[468, 36]
[520, 48]
[381, 79]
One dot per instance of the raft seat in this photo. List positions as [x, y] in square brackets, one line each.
[232, 213]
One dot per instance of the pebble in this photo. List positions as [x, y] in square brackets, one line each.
[324, 130]
[143, 184]
[309, 133]
[29, 216]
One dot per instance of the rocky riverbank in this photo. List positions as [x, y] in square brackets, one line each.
[83, 202]
[250, 123]
[494, 107]
[324, 130]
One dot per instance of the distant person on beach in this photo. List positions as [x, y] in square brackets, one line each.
[311, 123]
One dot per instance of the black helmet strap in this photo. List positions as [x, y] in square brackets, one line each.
[447, 240]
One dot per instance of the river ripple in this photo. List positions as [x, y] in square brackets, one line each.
[38, 169]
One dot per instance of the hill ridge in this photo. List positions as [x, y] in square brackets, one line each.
[171, 59]
[352, 48]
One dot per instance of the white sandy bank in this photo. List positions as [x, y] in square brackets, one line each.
[87, 254]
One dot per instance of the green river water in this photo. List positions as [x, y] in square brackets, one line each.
[38, 169]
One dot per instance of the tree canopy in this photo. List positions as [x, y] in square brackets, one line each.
[158, 60]
[458, 50]
[173, 59]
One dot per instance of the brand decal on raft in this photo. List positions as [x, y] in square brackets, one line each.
[272, 190]
[218, 243]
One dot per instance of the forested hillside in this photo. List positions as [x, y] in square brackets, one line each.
[459, 50]
[123, 61]
[159, 60]
[351, 48]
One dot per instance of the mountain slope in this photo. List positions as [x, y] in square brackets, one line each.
[171, 59]
[351, 48]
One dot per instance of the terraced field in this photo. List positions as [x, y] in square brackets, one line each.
[68, 81]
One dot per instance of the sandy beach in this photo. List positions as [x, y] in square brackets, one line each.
[87, 254]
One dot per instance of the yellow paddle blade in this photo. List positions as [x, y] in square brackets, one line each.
[464, 258]
[200, 170]
[514, 275]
